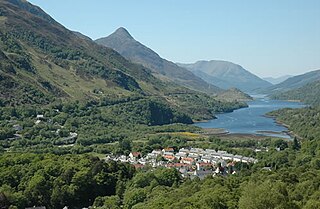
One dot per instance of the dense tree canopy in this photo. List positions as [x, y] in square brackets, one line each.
[57, 181]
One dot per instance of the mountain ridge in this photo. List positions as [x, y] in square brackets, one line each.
[229, 74]
[127, 46]
[295, 82]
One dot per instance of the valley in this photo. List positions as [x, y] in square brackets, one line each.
[109, 123]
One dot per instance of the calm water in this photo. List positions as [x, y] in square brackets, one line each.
[251, 120]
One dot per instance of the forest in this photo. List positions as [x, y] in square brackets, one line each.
[60, 175]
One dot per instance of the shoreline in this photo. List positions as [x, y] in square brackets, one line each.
[289, 132]
[259, 135]
[283, 133]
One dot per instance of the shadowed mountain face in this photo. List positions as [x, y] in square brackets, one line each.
[226, 75]
[127, 46]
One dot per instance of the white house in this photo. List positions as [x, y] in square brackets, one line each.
[142, 161]
[227, 156]
[168, 153]
[194, 155]
[39, 117]
[206, 159]
[135, 155]
[187, 160]
[151, 156]
[157, 152]
[181, 155]
[245, 160]
[210, 151]
[168, 149]
[196, 151]
[184, 150]
[237, 158]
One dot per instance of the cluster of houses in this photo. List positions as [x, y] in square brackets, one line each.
[190, 162]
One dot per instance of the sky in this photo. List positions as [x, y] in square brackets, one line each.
[266, 37]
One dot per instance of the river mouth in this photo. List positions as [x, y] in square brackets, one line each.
[252, 120]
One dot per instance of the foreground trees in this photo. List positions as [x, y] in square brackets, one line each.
[56, 181]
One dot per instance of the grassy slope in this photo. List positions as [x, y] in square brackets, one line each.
[47, 62]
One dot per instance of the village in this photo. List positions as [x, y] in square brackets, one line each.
[191, 163]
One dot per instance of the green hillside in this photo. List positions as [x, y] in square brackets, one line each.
[294, 82]
[234, 94]
[309, 94]
[43, 62]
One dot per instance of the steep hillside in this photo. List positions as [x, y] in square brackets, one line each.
[227, 75]
[42, 63]
[309, 94]
[126, 45]
[295, 82]
[80, 35]
[44, 58]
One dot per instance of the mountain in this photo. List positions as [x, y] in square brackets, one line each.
[42, 63]
[309, 94]
[127, 46]
[226, 75]
[277, 80]
[295, 82]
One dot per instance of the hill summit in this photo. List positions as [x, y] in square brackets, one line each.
[123, 33]
[122, 42]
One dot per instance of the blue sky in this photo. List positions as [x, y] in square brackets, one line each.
[267, 37]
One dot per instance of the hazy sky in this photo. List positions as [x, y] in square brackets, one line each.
[268, 38]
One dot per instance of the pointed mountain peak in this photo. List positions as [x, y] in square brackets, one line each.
[122, 33]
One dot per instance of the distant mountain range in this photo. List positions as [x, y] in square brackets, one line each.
[305, 87]
[122, 42]
[294, 82]
[309, 94]
[226, 75]
[278, 79]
